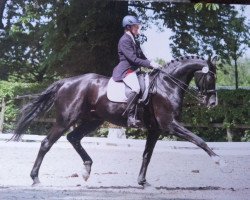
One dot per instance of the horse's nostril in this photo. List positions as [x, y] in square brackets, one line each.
[212, 104]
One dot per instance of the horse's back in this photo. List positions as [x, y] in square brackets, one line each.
[82, 81]
[86, 78]
[83, 85]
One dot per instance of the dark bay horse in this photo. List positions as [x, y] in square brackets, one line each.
[82, 100]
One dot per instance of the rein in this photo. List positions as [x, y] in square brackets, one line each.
[189, 90]
[193, 92]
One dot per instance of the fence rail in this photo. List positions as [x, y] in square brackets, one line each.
[214, 125]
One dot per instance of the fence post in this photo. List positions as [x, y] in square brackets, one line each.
[3, 105]
[229, 135]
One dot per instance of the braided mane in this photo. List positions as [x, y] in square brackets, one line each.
[170, 66]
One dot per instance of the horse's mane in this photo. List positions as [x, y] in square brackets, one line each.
[170, 66]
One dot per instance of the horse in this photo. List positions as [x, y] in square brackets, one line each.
[82, 100]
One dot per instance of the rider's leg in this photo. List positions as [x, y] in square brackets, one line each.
[131, 80]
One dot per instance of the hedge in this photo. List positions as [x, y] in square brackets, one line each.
[233, 109]
[9, 91]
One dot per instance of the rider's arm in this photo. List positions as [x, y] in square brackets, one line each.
[128, 50]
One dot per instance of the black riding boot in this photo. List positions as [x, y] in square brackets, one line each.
[132, 101]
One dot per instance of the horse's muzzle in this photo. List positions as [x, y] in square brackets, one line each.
[212, 101]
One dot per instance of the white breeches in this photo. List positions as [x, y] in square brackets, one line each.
[131, 81]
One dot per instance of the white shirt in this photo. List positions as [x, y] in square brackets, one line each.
[130, 34]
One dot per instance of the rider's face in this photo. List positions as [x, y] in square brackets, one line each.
[135, 29]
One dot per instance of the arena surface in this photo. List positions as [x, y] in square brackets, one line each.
[178, 170]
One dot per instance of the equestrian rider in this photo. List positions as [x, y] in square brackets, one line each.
[131, 58]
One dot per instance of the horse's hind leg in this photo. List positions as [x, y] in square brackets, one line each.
[75, 137]
[55, 133]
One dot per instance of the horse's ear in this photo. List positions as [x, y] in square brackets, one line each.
[209, 58]
[213, 61]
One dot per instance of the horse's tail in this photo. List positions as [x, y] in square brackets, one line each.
[41, 104]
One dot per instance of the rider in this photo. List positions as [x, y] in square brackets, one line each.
[131, 58]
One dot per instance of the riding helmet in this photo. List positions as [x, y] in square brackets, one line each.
[130, 20]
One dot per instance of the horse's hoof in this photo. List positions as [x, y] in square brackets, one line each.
[224, 167]
[219, 161]
[146, 185]
[222, 163]
[36, 182]
[87, 170]
[143, 183]
[85, 176]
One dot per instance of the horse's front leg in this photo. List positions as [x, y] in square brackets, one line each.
[152, 138]
[184, 133]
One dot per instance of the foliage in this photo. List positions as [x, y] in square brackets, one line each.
[46, 39]
[233, 109]
[202, 32]
[209, 6]
[21, 51]
[221, 30]
[9, 91]
[246, 137]
[226, 76]
[237, 41]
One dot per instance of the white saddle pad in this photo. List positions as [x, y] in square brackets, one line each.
[116, 90]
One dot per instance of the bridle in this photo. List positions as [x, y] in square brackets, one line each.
[203, 83]
[198, 94]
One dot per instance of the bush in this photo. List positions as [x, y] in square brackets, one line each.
[9, 91]
[233, 109]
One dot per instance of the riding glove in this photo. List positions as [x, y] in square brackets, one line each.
[155, 65]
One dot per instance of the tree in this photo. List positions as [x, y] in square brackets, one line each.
[2, 6]
[237, 41]
[86, 36]
[21, 51]
[222, 31]
[47, 38]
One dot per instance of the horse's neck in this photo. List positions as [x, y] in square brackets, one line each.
[174, 88]
[185, 72]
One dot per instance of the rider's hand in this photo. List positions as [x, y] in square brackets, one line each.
[155, 65]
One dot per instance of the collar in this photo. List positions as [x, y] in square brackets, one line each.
[130, 34]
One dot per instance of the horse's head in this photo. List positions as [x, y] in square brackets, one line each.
[205, 80]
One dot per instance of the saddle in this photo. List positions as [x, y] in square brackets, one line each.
[119, 91]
